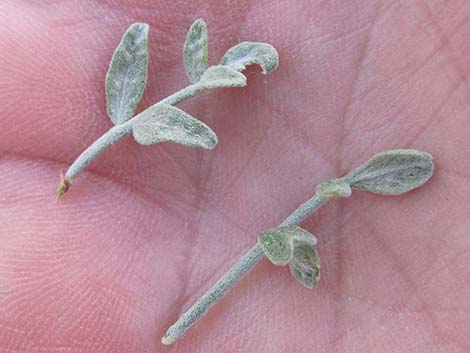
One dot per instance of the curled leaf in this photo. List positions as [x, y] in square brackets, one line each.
[165, 123]
[221, 76]
[393, 172]
[278, 244]
[127, 74]
[247, 53]
[305, 265]
[195, 50]
[332, 188]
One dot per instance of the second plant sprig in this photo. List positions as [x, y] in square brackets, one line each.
[162, 122]
[392, 172]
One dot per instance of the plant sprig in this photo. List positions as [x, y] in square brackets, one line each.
[393, 172]
[126, 80]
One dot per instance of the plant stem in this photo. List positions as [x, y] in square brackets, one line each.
[113, 135]
[230, 278]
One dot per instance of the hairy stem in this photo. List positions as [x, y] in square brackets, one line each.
[230, 278]
[113, 135]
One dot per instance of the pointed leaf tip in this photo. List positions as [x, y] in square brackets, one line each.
[127, 74]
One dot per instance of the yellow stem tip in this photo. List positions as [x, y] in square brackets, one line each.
[63, 186]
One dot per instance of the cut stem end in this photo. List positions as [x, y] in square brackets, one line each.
[167, 340]
[63, 186]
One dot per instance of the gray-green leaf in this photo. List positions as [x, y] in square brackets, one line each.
[195, 50]
[278, 244]
[305, 265]
[127, 74]
[247, 53]
[165, 123]
[221, 76]
[392, 172]
[333, 188]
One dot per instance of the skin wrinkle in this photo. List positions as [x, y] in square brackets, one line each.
[328, 38]
[339, 324]
[71, 306]
[445, 39]
[420, 66]
[303, 136]
[205, 171]
[426, 308]
[341, 333]
[357, 74]
[195, 242]
[434, 116]
[96, 174]
[439, 48]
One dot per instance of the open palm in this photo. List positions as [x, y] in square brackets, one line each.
[147, 230]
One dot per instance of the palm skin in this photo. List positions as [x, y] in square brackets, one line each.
[147, 230]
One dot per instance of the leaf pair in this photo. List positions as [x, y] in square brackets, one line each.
[294, 246]
[393, 172]
[125, 83]
[227, 73]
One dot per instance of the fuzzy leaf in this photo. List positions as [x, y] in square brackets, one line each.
[165, 123]
[247, 53]
[221, 76]
[332, 188]
[278, 244]
[195, 50]
[305, 265]
[127, 74]
[392, 172]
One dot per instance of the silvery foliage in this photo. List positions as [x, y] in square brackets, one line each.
[294, 246]
[127, 77]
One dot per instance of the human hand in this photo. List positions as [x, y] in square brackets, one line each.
[147, 230]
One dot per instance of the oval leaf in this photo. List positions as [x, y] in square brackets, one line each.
[247, 53]
[332, 188]
[392, 172]
[165, 123]
[127, 74]
[305, 265]
[195, 50]
[221, 76]
[278, 244]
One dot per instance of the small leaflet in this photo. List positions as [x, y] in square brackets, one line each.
[278, 244]
[165, 123]
[333, 188]
[305, 265]
[195, 51]
[127, 74]
[248, 53]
